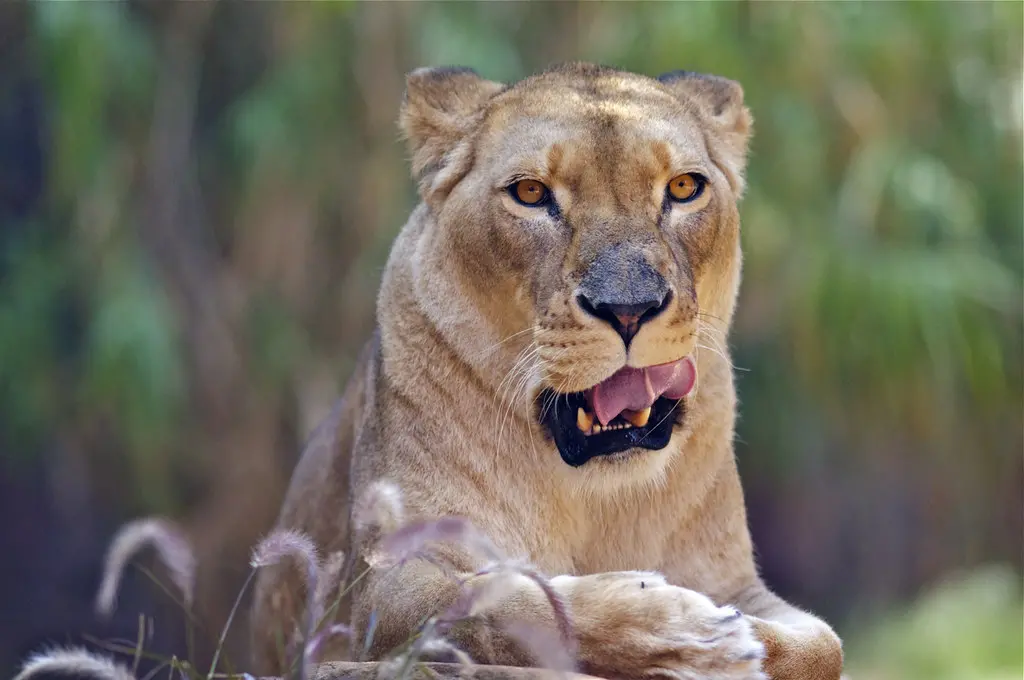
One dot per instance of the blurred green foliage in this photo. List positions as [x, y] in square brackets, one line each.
[968, 628]
[883, 219]
[222, 188]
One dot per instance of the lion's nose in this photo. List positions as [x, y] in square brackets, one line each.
[626, 319]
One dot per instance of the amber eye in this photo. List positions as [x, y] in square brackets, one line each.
[686, 187]
[529, 192]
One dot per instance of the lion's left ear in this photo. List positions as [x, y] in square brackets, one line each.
[440, 107]
[720, 101]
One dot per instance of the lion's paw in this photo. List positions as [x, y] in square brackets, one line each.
[636, 625]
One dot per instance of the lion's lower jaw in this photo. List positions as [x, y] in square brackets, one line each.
[636, 470]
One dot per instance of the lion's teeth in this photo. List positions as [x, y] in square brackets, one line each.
[598, 428]
[584, 420]
[638, 418]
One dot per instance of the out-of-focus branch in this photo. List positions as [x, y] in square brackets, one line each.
[172, 225]
[238, 429]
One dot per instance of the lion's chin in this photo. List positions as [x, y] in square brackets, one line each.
[568, 421]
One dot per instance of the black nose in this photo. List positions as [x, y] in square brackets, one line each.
[626, 319]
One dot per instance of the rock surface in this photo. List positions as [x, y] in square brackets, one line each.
[343, 670]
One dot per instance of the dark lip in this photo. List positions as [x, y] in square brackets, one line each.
[557, 413]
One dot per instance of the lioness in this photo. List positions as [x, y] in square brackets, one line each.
[551, 363]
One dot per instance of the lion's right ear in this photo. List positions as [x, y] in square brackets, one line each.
[440, 107]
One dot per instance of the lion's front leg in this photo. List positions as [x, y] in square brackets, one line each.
[799, 646]
[625, 625]
[636, 625]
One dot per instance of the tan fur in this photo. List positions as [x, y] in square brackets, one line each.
[476, 314]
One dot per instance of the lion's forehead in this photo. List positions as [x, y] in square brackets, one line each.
[570, 133]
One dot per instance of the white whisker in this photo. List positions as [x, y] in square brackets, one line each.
[718, 343]
[488, 350]
[517, 380]
[663, 419]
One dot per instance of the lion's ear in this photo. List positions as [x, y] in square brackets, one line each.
[440, 107]
[720, 101]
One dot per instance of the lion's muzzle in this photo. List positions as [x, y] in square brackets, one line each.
[622, 288]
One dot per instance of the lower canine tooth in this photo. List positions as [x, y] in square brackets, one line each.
[584, 420]
[639, 418]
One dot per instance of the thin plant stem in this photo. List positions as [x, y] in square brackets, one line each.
[139, 644]
[152, 674]
[227, 624]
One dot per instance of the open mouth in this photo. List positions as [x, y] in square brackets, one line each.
[634, 408]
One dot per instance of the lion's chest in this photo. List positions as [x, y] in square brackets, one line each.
[580, 539]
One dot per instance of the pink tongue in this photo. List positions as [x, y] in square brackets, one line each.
[635, 389]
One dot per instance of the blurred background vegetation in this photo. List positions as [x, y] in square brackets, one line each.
[196, 201]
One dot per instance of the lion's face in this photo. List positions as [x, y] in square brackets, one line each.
[607, 202]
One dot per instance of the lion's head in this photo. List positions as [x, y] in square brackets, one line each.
[589, 218]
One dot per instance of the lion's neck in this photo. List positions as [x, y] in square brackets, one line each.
[427, 305]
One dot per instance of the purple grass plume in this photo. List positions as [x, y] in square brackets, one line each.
[321, 579]
[274, 549]
[548, 651]
[440, 649]
[283, 543]
[171, 546]
[413, 540]
[432, 647]
[327, 583]
[505, 580]
[378, 509]
[312, 648]
[559, 608]
[76, 663]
